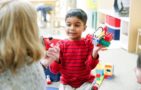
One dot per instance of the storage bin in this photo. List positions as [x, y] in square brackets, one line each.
[112, 21]
[115, 32]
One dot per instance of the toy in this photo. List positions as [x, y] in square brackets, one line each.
[99, 77]
[102, 72]
[95, 86]
[102, 37]
[108, 71]
[48, 43]
[48, 81]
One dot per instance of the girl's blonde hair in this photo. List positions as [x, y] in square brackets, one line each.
[19, 34]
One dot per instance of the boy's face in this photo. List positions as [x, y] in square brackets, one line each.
[74, 28]
[138, 75]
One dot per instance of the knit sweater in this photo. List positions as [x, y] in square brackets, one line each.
[29, 77]
[76, 62]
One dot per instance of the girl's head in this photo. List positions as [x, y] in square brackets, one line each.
[19, 36]
[76, 20]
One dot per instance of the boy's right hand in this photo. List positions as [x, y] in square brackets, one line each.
[53, 53]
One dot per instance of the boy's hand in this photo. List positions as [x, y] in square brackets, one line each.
[96, 50]
[53, 53]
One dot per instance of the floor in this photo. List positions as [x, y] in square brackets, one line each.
[124, 76]
[124, 63]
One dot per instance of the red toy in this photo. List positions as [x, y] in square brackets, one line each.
[95, 87]
[48, 81]
[102, 37]
[50, 77]
[49, 42]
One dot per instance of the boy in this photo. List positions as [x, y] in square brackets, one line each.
[77, 55]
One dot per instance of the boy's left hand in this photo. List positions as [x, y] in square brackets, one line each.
[96, 50]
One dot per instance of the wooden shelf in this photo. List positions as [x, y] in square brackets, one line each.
[123, 27]
[112, 13]
[129, 26]
[124, 41]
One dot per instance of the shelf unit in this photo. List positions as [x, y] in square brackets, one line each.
[112, 13]
[123, 28]
[129, 25]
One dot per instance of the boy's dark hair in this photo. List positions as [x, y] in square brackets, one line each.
[139, 61]
[79, 13]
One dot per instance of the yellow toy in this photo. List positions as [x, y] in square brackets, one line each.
[108, 71]
[102, 72]
[99, 76]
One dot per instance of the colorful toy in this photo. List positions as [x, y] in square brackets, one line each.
[48, 43]
[102, 72]
[102, 37]
[99, 77]
[108, 71]
[48, 81]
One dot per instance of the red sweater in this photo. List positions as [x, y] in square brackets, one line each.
[76, 62]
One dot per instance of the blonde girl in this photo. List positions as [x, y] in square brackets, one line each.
[20, 48]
